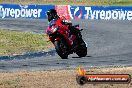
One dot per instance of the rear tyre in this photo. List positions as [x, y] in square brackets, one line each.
[61, 49]
[82, 50]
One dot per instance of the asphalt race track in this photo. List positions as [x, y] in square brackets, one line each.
[109, 44]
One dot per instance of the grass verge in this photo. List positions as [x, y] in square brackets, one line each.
[122, 3]
[14, 42]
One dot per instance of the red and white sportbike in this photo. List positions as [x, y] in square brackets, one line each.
[66, 43]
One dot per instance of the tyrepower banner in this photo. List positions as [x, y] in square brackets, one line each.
[95, 12]
[24, 11]
[68, 11]
[63, 10]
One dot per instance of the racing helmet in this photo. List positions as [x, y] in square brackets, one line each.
[52, 14]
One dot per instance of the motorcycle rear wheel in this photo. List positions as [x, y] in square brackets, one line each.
[82, 50]
[61, 51]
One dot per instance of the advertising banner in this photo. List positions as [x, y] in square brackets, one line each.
[63, 10]
[68, 11]
[24, 11]
[97, 12]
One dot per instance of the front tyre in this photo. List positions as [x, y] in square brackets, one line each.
[61, 49]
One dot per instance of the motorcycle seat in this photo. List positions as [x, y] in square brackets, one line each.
[77, 25]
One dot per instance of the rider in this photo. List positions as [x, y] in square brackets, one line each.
[52, 14]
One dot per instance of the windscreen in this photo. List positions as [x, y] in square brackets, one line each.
[52, 23]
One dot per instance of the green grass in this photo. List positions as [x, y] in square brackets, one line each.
[122, 3]
[72, 2]
[13, 42]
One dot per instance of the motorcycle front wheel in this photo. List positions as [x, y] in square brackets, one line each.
[61, 49]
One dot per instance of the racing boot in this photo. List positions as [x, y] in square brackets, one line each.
[77, 33]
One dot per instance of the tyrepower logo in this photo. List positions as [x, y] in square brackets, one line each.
[83, 77]
[21, 12]
[99, 12]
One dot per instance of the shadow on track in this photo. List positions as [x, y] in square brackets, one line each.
[80, 57]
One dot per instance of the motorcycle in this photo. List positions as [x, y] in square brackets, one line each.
[64, 42]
